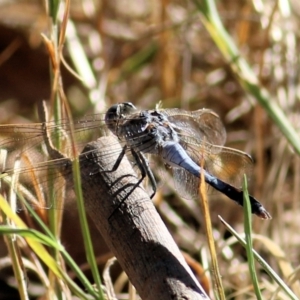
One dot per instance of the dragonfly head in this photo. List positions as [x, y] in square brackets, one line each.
[117, 112]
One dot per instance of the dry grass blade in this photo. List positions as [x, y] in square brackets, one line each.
[216, 276]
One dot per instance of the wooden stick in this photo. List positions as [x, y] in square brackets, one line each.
[134, 231]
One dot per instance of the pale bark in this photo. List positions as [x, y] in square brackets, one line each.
[134, 231]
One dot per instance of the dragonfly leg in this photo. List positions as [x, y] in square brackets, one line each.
[143, 165]
[134, 186]
[116, 164]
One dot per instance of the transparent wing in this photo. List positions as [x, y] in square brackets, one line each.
[186, 184]
[227, 164]
[203, 135]
[22, 137]
[200, 125]
[28, 171]
[42, 185]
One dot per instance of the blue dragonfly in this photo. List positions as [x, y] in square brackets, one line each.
[190, 142]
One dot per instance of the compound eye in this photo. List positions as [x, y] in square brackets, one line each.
[111, 117]
[126, 108]
[117, 112]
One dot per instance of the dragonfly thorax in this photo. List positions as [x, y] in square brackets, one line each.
[147, 131]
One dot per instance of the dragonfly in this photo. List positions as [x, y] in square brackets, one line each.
[183, 140]
[191, 143]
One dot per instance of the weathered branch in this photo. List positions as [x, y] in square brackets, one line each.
[134, 231]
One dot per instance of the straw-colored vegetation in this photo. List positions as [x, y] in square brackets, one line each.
[241, 60]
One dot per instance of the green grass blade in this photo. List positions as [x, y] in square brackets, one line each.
[248, 234]
[85, 228]
[262, 262]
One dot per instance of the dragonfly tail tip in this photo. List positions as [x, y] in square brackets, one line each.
[264, 214]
